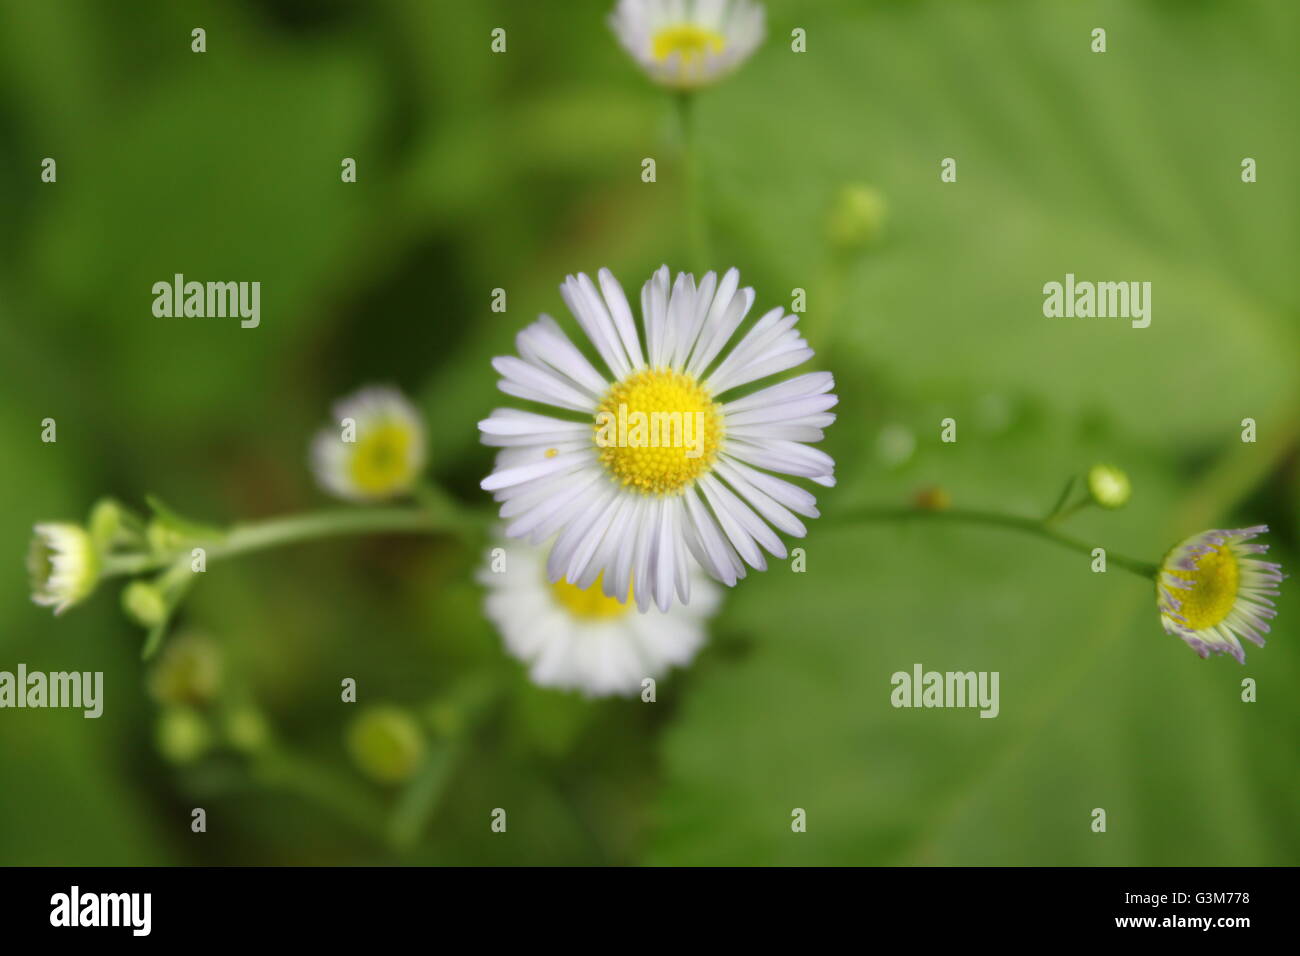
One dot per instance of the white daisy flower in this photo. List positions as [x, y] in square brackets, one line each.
[63, 565]
[641, 505]
[1210, 591]
[375, 450]
[576, 638]
[686, 44]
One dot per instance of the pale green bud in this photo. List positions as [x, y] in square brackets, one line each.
[105, 522]
[857, 216]
[189, 671]
[246, 729]
[386, 743]
[144, 603]
[163, 537]
[182, 735]
[1109, 486]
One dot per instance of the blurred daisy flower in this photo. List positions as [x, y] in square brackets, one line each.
[686, 44]
[376, 450]
[63, 565]
[1211, 591]
[629, 507]
[576, 638]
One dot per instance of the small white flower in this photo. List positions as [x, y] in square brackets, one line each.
[1211, 590]
[578, 638]
[385, 453]
[635, 512]
[686, 44]
[63, 565]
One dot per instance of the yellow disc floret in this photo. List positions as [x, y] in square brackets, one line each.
[691, 42]
[589, 602]
[381, 461]
[657, 431]
[1213, 590]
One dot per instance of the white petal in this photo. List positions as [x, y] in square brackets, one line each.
[539, 385]
[792, 496]
[643, 584]
[576, 533]
[790, 431]
[767, 506]
[810, 383]
[621, 313]
[581, 298]
[544, 343]
[538, 469]
[537, 514]
[654, 314]
[602, 561]
[512, 422]
[730, 520]
[722, 561]
[694, 320]
[770, 364]
[785, 457]
[721, 322]
[665, 555]
[762, 335]
[782, 411]
[593, 538]
[618, 583]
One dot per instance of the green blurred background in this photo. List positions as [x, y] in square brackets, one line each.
[478, 171]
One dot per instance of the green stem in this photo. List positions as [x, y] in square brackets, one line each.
[1061, 500]
[280, 769]
[696, 223]
[291, 529]
[420, 799]
[1028, 525]
[1065, 512]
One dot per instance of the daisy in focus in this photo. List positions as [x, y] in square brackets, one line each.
[576, 638]
[375, 451]
[1211, 591]
[630, 508]
[686, 44]
[63, 564]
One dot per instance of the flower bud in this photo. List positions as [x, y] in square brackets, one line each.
[182, 735]
[188, 671]
[105, 522]
[386, 743]
[246, 729]
[163, 536]
[1108, 486]
[144, 603]
[857, 216]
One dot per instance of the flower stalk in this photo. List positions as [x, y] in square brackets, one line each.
[698, 245]
[1041, 528]
[291, 529]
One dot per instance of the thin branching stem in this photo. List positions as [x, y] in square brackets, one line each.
[1034, 526]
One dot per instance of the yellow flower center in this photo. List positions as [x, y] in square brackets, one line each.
[589, 602]
[1214, 588]
[691, 42]
[657, 431]
[381, 462]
